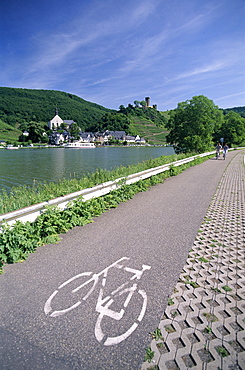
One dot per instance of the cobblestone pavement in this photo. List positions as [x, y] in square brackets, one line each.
[203, 326]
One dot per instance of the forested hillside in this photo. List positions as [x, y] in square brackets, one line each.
[239, 110]
[24, 105]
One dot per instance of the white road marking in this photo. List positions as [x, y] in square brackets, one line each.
[74, 278]
[110, 341]
[137, 273]
[103, 303]
[47, 306]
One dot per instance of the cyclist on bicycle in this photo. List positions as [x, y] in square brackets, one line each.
[225, 150]
[218, 147]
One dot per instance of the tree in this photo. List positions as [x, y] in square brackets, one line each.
[74, 130]
[137, 103]
[112, 122]
[36, 132]
[122, 109]
[193, 124]
[232, 129]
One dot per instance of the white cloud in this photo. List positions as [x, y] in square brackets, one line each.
[205, 69]
[231, 96]
[143, 11]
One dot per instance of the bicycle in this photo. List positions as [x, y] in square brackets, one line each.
[217, 154]
[224, 154]
[103, 303]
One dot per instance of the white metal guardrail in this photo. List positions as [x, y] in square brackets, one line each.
[32, 212]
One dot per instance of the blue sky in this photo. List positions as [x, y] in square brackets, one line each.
[115, 52]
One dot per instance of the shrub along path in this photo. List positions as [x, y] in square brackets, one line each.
[155, 229]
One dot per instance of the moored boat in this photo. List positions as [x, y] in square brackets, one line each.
[10, 146]
[80, 145]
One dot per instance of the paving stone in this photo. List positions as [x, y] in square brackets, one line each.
[204, 326]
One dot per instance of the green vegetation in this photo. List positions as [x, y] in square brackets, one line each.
[192, 283]
[196, 124]
[156, 334]
[148, 123]
[21, 239]
[208, 330]
[203, 259]
[25, 105]
[226, 288]
[112, 122]
[136, 120]
[149, 354]
[193, 124]
[239, 110]
[222, 351]
[170, 301]
[153, 134]
[18, 241]
[232, 128]
[8, 133]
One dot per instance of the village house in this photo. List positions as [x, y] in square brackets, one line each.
[134, 139]
[68, 122]
[57, 121]
[116, 135]
[57, 138]
[106, 136]
[140, 141]
[131, 139]
[87, 137]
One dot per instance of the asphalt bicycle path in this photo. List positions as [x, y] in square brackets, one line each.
[136, 252]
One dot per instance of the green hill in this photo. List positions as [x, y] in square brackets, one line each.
[24, 105]
[153, 134]
[8, 133]
[239, 110]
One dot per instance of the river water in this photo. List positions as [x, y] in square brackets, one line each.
[25, 166]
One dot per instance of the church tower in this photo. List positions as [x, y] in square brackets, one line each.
[56, 121]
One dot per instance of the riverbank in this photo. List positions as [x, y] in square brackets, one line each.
[97, 146]
[23, 196]
[28, 167]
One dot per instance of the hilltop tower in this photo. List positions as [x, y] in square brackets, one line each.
[147, 100]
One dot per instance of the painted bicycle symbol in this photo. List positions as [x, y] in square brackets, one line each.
[104, 302]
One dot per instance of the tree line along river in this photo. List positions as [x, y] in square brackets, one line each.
[25, 166]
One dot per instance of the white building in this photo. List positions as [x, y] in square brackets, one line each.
[55, 122]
